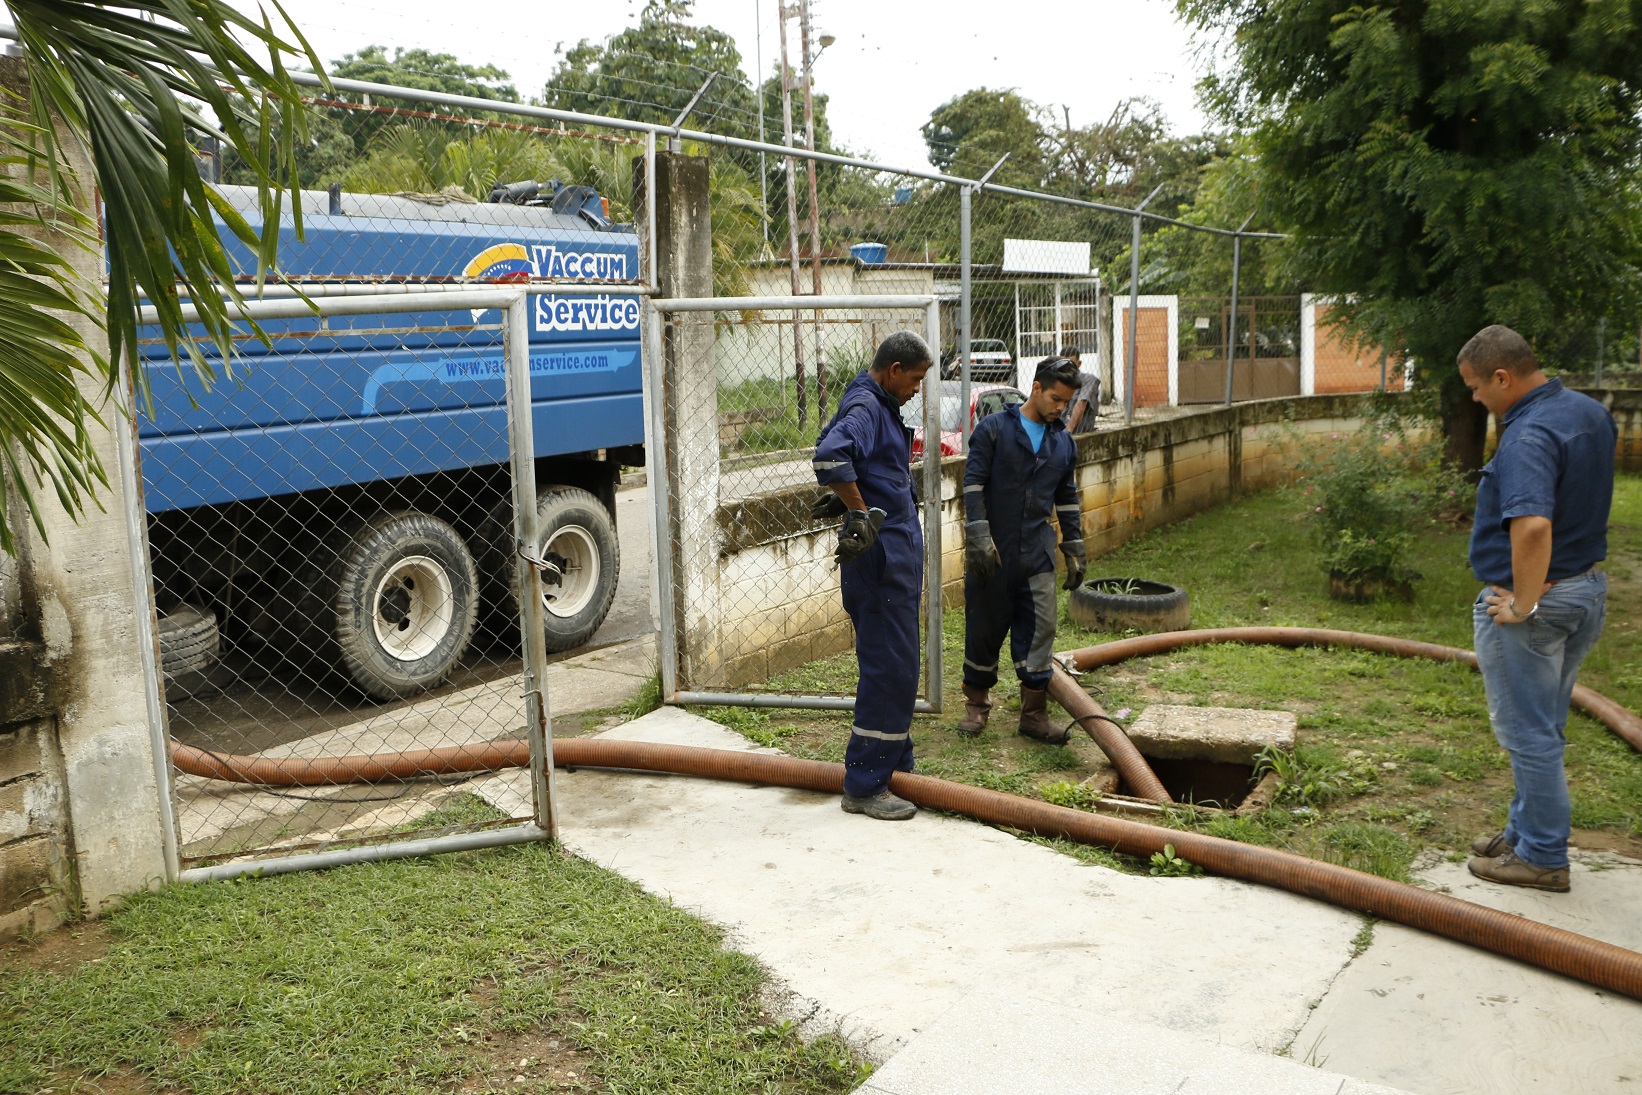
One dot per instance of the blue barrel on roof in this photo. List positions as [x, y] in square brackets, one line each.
[870, 254]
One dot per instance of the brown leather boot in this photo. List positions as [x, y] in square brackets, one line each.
[977, 704]
[1035, 722]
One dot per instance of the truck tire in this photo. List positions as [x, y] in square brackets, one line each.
[402, 597]
[189, 640]
[577, 536]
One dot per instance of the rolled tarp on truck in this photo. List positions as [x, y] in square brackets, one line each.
[339, 498]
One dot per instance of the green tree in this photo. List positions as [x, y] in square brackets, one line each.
[1450, 163]
[134, 83]
[969, 133]
[649, 73]
[322, 157]
[422, 69]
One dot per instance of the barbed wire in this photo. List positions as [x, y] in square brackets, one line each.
[466, 120]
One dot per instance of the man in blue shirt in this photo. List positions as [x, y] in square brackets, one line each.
[864, 456]
[1019, 476]
[1541, 528]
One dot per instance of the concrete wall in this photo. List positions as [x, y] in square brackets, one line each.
[762, 345]
[38, 888]
[780, 606]
[79, 794]
[1626, 406]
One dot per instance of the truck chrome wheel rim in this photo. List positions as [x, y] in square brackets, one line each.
[413, 608]
[574, 553]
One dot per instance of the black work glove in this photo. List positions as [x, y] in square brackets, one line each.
[981, 556]
[828, 507]
[860, 532]
[1077, 561]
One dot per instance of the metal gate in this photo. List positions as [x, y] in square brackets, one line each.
[320, 584]
[744, 575]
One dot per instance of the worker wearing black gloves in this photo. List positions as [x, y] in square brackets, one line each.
[864, 456]
[1019, 476]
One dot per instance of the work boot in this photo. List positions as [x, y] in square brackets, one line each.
[884, 806]
[1035, 722]
[1491, 847]
[977, 704]
[1508, 870]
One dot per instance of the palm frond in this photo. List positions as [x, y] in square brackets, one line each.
[132, 83]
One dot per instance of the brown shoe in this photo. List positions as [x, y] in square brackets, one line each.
[977, 704]
[1035, 722]
[1508, 870]
[1491, 847]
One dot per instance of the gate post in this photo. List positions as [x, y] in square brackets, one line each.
[94, 618]
[688, 541]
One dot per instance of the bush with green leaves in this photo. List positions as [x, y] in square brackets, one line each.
[1370, 494]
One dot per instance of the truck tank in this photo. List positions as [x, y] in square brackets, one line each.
[339, 498]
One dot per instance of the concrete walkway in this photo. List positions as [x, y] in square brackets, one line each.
[887, 932]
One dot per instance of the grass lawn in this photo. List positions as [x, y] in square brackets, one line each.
[1394, 756]
[518, 970]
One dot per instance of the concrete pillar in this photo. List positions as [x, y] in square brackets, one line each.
[684, 268]
[78, 584]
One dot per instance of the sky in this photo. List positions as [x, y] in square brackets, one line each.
[892, 64]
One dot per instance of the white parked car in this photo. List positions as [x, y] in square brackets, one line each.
[990, 362]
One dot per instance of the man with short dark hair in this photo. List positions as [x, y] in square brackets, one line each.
[864, 456]
[1018, 477]
[1085, 406]
[1541, 528]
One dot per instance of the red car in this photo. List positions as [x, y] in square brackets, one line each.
[984, 399]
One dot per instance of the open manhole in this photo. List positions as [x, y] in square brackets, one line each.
[1205, 756]
[1216, 783]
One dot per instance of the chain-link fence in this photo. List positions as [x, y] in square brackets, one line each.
[748, 588]
[329, 524]
[334, 541]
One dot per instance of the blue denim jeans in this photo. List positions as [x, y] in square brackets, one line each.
[1529, 670]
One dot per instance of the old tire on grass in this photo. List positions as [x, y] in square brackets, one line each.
[402, 595]
[1148, 606]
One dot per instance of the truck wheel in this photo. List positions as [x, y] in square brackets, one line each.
[578, 539]
[405, 599]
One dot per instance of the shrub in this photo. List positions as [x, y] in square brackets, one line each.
[1371, 493]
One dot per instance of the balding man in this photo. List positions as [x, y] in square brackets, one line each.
[1541, 528]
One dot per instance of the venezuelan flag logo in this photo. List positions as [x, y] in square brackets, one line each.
[500, 262]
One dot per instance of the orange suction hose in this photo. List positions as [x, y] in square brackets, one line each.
[1589, 960]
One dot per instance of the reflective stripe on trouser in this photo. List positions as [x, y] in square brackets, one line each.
[881, 594]
[1528, 670]
[1026, 610]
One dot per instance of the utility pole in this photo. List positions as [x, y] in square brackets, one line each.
[792, 216]
[815, 207]
[763, 174]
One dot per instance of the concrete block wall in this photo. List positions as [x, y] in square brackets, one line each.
[779, 598]
[38, 889]
[1626, 406]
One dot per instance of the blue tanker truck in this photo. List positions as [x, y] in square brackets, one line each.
[342, 498]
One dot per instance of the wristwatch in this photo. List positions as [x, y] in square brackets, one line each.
[1523, 615]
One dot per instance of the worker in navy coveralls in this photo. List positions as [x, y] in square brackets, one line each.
[1017, 481]
[1541, 528]
[864, 456]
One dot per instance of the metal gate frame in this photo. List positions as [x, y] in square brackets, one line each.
[332, 300]
[656, 472]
